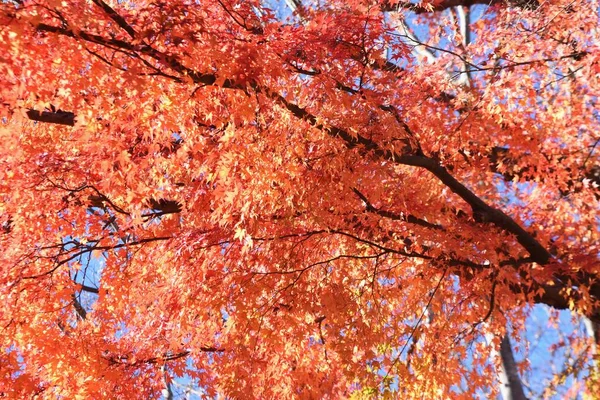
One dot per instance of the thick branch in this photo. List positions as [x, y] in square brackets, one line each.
[53, 117]
[482, 211]
[514, 389]
[89, 289]
[78, 307]
[115, 17]
[198, 78]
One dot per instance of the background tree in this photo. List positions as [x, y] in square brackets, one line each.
[342, 198]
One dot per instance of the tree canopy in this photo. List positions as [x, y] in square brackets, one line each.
[299, 199]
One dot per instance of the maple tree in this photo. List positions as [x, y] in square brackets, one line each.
[339, 202]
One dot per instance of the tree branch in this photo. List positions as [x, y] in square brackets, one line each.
[422, 8]
[514, 386]
[411, 219]
[115, 17]
[481, 211]
[502, 155]
[89, 289]
[89, 249]
[53, 117]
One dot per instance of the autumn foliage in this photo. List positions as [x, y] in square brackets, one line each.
[291, 199]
